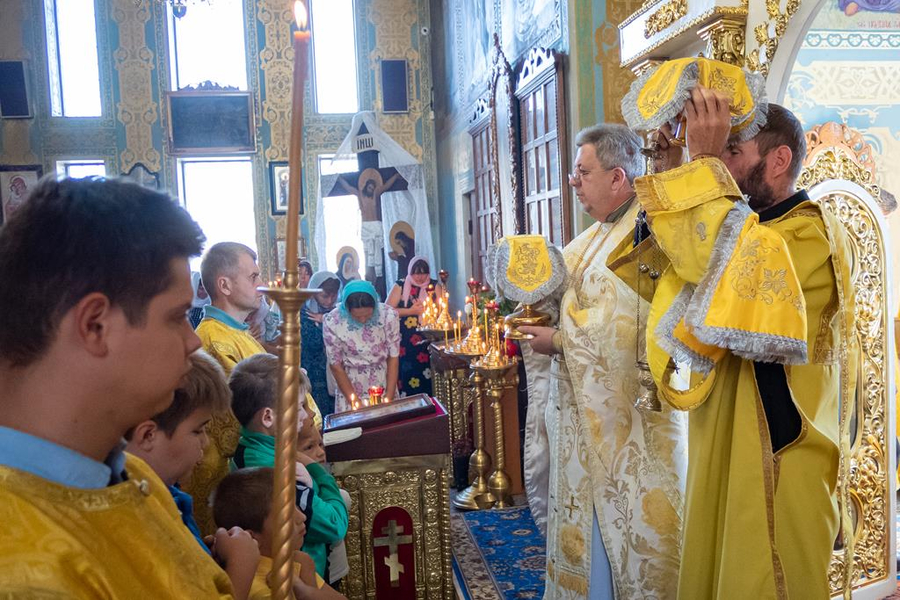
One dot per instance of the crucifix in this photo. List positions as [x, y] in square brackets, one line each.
[368, 184]
[571, 506]
[392, 540]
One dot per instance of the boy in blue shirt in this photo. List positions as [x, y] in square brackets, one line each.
[172, 441]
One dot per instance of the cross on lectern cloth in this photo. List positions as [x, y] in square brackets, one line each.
[392, 540]
[368, 184]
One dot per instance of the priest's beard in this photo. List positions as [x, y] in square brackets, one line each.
[753, 185]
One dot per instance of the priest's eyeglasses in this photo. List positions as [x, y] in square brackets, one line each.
[576, 175]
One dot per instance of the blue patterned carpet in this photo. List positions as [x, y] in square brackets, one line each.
[498, 554]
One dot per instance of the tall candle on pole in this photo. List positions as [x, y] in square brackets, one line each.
[289, 298]
[295, 154]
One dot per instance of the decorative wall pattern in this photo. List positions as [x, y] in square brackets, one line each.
[848, 71]
[15, 142]
[134, 74]
[136, 108]
[616, 80]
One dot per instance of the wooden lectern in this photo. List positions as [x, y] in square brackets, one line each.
[398, 541]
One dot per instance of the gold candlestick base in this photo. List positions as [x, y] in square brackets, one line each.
[496, 382]
[477, 495]
[524, 315]
[647, 399]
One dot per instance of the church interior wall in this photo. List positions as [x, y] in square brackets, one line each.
[847, 70]
[595, 85]
[134, 75]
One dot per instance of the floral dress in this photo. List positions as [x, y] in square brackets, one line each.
[312, 358]
[362, 349]
[415, 365]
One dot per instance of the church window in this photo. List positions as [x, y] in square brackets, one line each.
[482, 212]
[542, 126]
[334, 56]
[343, 221]
[218, 193]
[73, 66]
[77, 169]
[208, 43]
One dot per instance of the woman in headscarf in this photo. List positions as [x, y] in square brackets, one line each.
[408, 297]
[201, 299]
[362, 341]
[313, 355]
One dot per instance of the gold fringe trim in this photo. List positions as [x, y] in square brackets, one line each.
[569, 581]
[770, 468]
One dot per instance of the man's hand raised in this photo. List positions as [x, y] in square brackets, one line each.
[708, 122]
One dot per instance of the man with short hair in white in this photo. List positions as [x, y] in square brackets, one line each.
[616, 472]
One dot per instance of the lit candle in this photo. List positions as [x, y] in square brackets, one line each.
[486, 330]
[295, 152]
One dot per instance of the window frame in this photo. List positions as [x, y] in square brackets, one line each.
[62, 165]
[174, 83]
[52, 55]
[314, 80]
[541, 71]
[180, 178]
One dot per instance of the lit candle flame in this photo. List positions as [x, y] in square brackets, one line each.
[300, 15]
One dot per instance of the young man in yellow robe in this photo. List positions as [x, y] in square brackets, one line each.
[103, 268]
[230, 275]
[756, 298]
[616, 473]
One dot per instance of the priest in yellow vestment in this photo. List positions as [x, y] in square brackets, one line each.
[755, 297]
[616, 472]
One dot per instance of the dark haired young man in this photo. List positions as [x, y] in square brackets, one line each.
[103, 266]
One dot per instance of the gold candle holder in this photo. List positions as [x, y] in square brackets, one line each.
[477, 495]
[472, 346]
[495, 383]
[524, 315]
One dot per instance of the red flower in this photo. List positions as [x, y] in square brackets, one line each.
[415, 339]
[422, 357]
[512, 349]
[402, 351]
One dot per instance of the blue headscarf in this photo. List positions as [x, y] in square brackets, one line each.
[352, 287]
